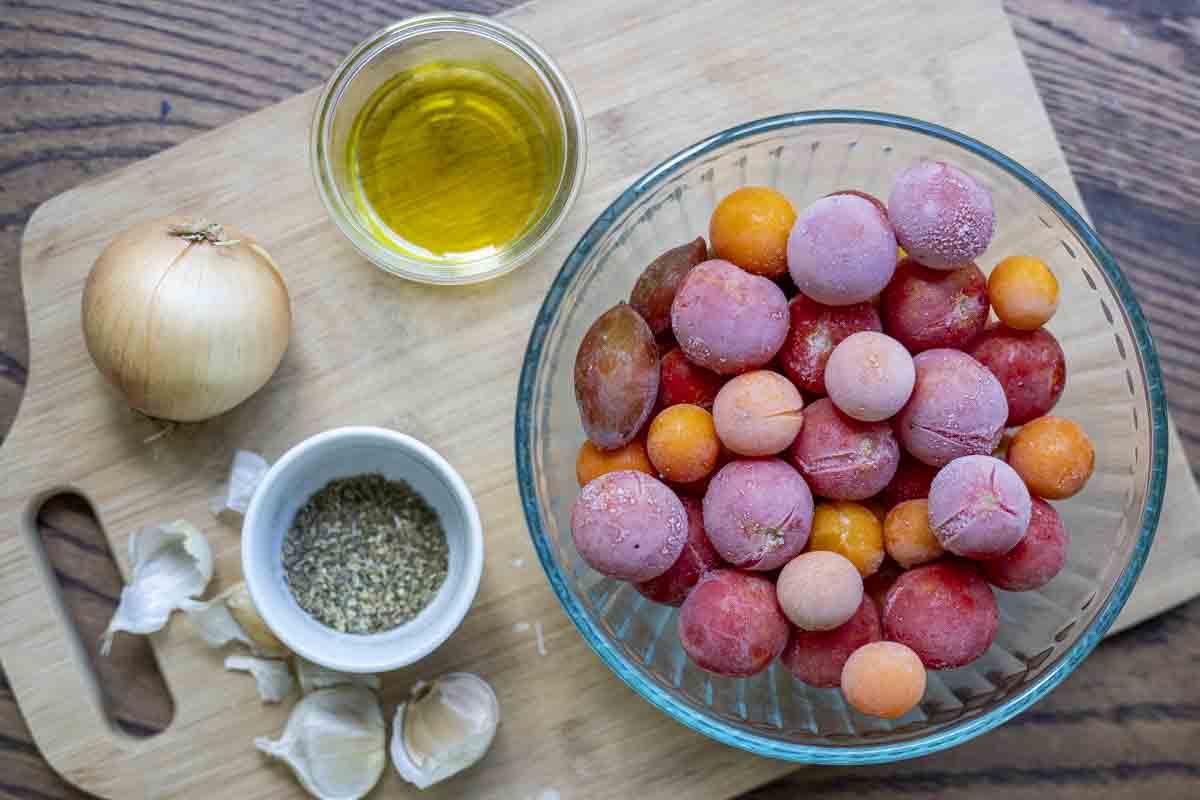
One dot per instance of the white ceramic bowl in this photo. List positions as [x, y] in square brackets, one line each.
[302, 471]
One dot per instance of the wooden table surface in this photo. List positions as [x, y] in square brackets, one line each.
[87, 86]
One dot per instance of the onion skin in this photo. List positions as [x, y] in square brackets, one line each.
[185, 330]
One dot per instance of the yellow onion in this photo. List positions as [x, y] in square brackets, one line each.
[185, 318]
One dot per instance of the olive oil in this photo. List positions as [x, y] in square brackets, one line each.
[451, 161]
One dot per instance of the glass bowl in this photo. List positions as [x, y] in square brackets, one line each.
[1114, 390]
[419, 40]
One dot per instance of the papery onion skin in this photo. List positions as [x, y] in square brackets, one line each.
[185, 330]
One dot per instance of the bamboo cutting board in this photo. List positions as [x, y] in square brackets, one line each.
[441, 364]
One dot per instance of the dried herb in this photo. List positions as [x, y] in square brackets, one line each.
[365, 554]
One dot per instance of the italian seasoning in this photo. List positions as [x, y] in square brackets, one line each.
[365, 554]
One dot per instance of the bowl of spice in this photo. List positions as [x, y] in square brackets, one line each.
[362, 549]
[448, 148]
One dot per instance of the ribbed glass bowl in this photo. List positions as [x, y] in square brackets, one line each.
[1114, 389]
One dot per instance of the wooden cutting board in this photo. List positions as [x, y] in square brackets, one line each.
[442, 364]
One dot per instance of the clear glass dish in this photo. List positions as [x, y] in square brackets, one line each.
[411, 43]
[1114, 389]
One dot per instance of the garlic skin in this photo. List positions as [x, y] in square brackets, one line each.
[245, 473]
[445, 727]
[172, 564]
[274, 679]
[314, 677]
[215, 624]
[232, 617]
[335, 743]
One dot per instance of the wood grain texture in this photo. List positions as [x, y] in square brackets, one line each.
[1121, 81]
[85, 104]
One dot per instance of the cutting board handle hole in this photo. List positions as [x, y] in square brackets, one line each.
[81, 574]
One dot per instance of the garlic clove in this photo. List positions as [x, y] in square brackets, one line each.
[274, 679]
[245, 473]
[314, 677]
[334, 741]
[171, 564]
[232, 617]
[237, 600]
[445, 727]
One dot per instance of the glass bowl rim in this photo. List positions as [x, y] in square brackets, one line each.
[522, 249]
[953, 734]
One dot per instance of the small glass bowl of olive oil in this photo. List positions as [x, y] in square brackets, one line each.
[448, 148]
